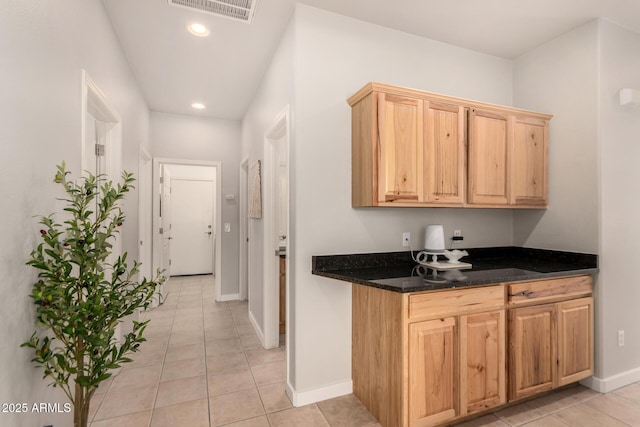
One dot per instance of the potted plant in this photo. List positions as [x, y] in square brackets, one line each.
[83, 292]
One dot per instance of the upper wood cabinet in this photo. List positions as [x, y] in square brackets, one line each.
[400, 148]
[489, 157]
[444, 153]
[508, 158]
[529, 160]
[407, 151]
[415, 148]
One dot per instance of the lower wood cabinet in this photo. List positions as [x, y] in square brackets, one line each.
[550, 345]
[456, 367]
[532, 341]
[482, 361]
[433, 367]
[425, 359]
[575, 340]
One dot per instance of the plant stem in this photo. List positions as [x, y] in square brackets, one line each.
[79, 418]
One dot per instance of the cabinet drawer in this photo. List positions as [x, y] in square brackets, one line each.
[459, 301]
[549, 290]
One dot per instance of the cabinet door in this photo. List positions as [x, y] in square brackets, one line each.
[400, 138]
[432, 372]
[529, 162]
[444, 152]
[532, 350]
[575, 340]
[482, 361]
[489, 138]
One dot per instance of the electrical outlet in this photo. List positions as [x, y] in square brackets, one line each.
[620, 338]
[457, 233]
[406, 239]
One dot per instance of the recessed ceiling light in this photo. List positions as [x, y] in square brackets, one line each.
[198, 106]
[198, 29]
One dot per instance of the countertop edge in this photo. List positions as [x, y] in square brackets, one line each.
[468, 284]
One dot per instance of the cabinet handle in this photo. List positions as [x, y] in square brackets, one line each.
[523, 294]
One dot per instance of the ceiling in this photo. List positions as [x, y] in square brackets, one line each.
[223, 71]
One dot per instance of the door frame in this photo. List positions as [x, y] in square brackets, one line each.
[145, 229]
[244, 255]
[278, 131]
[94, 102]
[157, 238]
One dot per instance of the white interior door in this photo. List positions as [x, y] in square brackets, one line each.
[165, 219]
[193, 227]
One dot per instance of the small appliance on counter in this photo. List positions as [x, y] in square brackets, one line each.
[434, 246]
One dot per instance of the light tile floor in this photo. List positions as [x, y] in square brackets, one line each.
[203, 366]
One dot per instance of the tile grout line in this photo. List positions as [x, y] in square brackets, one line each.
[206, 365]
[246, 358]
[613, 416]
[553, 412]
[166, 350]
[245, 351]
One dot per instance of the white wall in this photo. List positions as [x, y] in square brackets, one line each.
[334, 57]
[44, 45]
[276, 91]
[561, 77]
[618, 292]
[593, 152]
[199, 138]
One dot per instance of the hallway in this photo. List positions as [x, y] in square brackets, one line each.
[202, 366]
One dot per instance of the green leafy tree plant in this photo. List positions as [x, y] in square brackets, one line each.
[81, 295]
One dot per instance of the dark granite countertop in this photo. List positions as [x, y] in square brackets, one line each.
[396, 271]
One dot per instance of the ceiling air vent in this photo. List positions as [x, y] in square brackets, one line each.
[238, 10]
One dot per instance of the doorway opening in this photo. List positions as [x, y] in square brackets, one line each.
[277, 239]
[187, 220]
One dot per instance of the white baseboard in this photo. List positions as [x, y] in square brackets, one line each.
[614, 382]
[229, 297]
[256, 328]
[318, 394]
